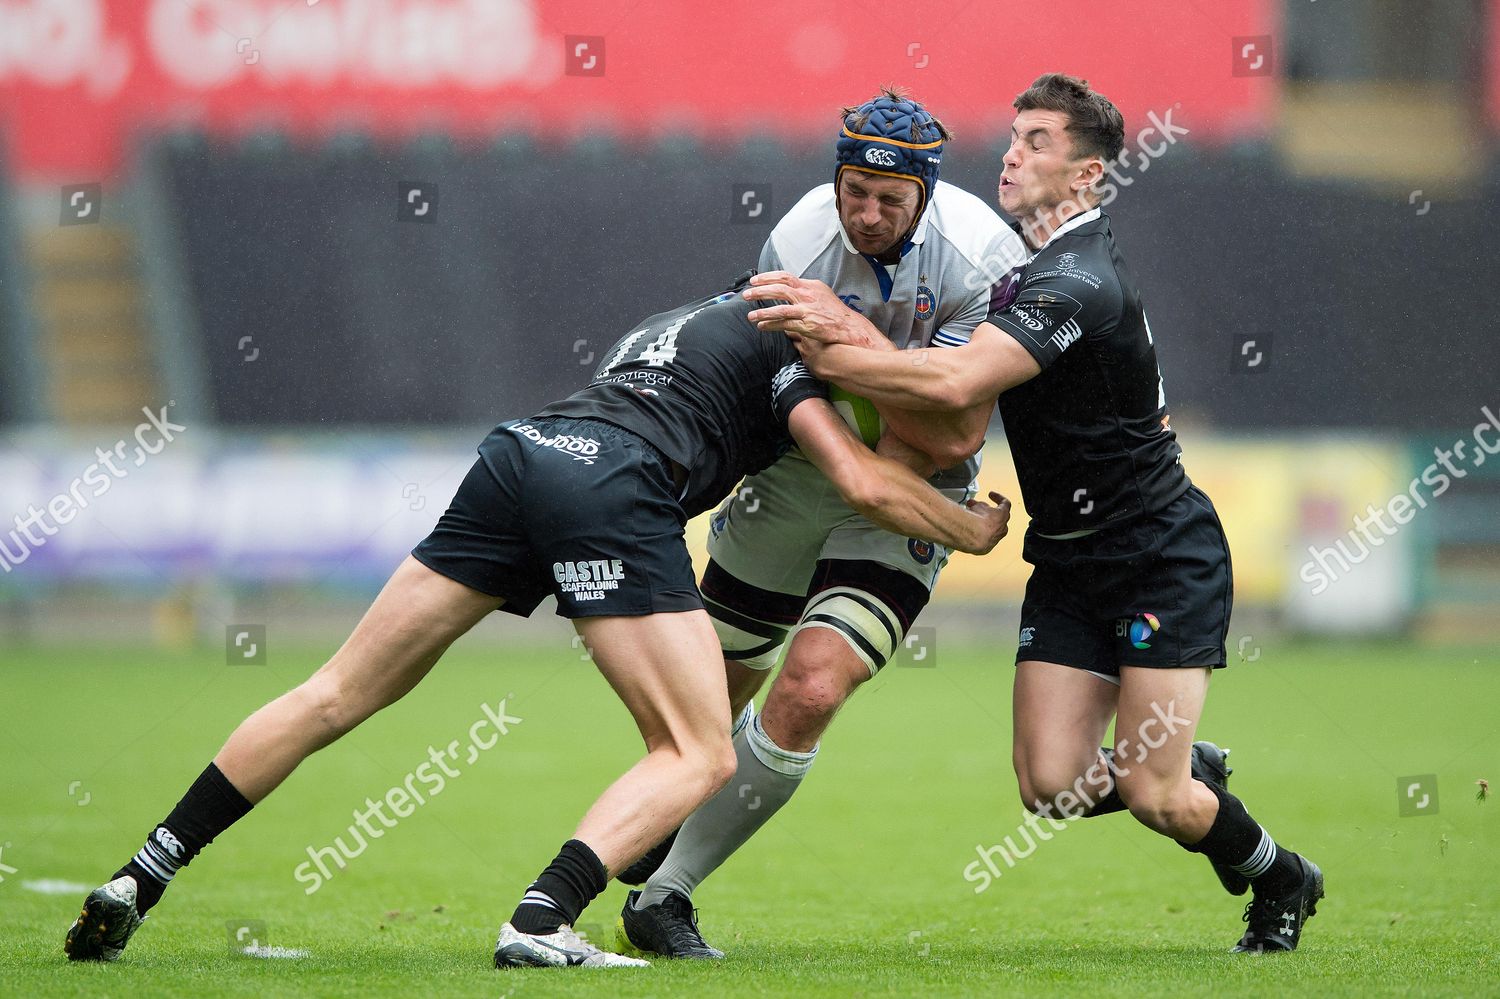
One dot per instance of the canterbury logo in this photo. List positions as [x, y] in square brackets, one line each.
[169, 843]
[880, 157]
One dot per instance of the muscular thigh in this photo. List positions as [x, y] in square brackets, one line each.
[1061, 715]
[417, 615]
[1158, 720]
[663, 666]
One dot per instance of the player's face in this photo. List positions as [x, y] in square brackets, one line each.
[876, 211]
[1040, 166]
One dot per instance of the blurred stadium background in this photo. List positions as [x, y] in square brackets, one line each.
[338, 240]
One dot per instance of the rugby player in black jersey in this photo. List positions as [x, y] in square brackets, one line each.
[1128, 603]
[586, 501]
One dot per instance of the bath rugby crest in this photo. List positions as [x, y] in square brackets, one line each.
[925, 304]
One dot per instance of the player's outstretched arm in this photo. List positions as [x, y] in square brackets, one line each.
[887, 492]
[944, 378]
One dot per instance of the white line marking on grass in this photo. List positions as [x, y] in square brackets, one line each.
[55, 886]
[276, 953]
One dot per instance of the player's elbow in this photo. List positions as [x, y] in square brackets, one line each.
[956, 451]
[864, 491]
[968, 393]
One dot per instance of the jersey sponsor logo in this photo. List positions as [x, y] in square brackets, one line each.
[1067, 261]
[589, 580]
[1026, 318]
[584, 449]
[1087, 277]
[1040, 311]
[880, 157]
[1141, 629]
[921, 551]
[635, 379]
[926, 303]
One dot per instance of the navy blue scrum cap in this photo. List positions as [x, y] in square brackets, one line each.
[898, 138]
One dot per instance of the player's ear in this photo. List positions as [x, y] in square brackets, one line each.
[1090, 173]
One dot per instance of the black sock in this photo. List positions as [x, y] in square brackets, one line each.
[1111, 802]
[574, 879]
[1235, 839]
[210, 806]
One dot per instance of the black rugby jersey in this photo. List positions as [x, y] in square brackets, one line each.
[706, 387]
[1089, 435]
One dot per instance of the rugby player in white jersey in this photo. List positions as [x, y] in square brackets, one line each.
[916, 257]
[1128, 605]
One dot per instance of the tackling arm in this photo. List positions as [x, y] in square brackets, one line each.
[888, 493]
[950, 435]
[932, 378]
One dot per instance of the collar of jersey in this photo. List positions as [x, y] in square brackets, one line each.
[1092, 215]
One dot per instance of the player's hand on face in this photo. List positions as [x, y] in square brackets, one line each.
[995, 520]
[803, 306]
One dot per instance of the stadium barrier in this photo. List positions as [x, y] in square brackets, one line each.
[172, 505]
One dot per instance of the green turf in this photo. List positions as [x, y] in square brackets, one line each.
[855, 889]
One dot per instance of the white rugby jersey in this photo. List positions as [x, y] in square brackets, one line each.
[936, 295]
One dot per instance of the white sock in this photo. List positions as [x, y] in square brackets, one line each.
[766, 779]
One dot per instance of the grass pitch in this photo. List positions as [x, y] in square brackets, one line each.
[856, 888]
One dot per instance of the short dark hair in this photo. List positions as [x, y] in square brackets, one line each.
[1095, 124]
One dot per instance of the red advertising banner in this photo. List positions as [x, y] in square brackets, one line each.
[78, 78]
[1492, 64]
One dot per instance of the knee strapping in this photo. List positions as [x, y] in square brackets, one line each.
[861, 619]
[759, 649]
